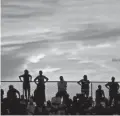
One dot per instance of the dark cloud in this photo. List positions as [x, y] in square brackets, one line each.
[94, 34]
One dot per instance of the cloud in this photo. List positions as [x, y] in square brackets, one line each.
[8, 50]
[36, 58]
[50, 69]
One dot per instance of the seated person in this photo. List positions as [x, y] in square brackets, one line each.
[13, 101]
[11, 94]
[56, 100]
[48, 107]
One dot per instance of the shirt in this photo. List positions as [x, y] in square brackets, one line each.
[113, 87]
[26, 78]
[99, 93]
[62, 85]
[85, 84]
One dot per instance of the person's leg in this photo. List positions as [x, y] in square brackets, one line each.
[110, 101]
[28, 91]
[87, 93]
[64, 96]
[24, 90]
[83, 92]
[115, 100]
[26, 94]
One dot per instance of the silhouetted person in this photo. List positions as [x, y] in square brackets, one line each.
[13, 100]
[113, 90]
[26, 83]
[100, 95]
[62, 87]
[40, 91]
[2, 95]
[84, 85]
[12, 93]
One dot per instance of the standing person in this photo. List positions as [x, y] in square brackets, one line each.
[26, 83]
[113, 90]
[62, 87]
[84, 85]
[40, 91]
[100, 95]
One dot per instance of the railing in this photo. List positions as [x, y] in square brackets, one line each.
[51, 88]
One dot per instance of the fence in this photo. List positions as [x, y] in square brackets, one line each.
[51, 88]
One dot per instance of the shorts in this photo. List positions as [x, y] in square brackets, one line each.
[26, 86]
[62, 93]
[85, 91]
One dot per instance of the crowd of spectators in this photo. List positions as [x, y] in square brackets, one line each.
[61, 103]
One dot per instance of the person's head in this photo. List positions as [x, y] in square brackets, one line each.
[61, 78]
[113, 79]
[40, 72]
[26, 71]
[85, 77]
[99, 87]
[74, 98]
[11, 87]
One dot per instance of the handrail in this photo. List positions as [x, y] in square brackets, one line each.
[67, 81]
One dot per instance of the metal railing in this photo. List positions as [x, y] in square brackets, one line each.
[51, 87]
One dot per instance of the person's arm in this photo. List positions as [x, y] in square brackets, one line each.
[20, 77]
[30, 78]
[35, 80]
[88, 82]
[103, 94]
[46, 79]
[18, 93]
[107, 86]
[79, 82]
[66, 85]
[118, 86]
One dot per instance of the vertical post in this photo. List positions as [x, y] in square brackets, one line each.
[91, 90]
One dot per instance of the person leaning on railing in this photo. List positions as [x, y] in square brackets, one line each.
[62, 88]
[40, 81]
[84, 83]
[113, 90]
[26, 83]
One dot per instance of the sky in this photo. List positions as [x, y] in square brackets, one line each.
[61, 37]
